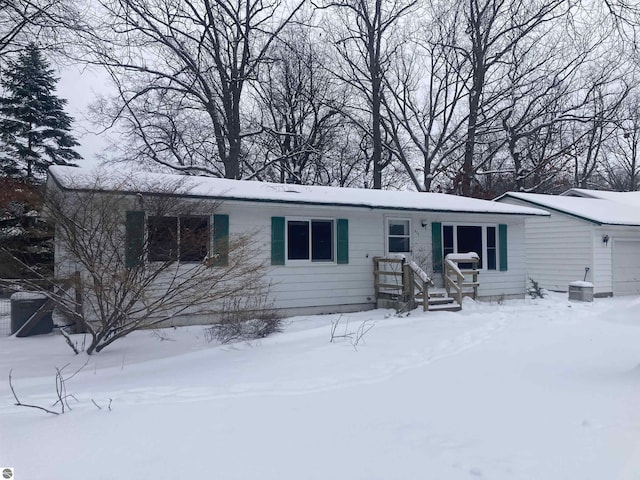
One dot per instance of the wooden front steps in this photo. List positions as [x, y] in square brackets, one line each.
[403, 285]
[440, 301]
[450, 307]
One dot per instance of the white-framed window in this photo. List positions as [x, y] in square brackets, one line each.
[398, 235]
[478, 238]
[311, 240]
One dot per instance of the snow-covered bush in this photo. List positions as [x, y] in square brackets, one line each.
[534, 290]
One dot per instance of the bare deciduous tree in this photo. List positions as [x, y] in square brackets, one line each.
[556, 106]
[142, 274]
[299, 109]
[190, 57]
[366, 45]
[493, 29]
[622, 169]
[24, 21]
[595, 132]
[426, 88]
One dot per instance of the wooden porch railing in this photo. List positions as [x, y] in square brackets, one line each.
[419, 283]
[404, 281]
[461, 282]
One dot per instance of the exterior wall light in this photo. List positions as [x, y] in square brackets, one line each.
[605, 240]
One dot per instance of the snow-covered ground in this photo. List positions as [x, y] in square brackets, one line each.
[530, 389]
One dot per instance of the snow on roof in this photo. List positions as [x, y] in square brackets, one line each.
[606, 210]
[74, 178]
[629, 198]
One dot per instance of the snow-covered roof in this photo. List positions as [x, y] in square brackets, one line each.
[73, 178]
[610, 208]
[629, 198]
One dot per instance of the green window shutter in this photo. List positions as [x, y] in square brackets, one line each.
[277, 240]
[134, 239]
[436, 246]
[221, 240]
[343, 241]
[502, 238]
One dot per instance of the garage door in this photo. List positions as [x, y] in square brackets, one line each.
[626, 268]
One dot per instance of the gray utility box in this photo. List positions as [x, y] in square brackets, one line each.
[23, 306]
[581, 291]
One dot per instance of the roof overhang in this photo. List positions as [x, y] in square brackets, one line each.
[553, 208]
[135, 183]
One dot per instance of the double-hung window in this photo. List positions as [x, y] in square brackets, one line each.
[481, 239]
[178, 238]
[398, 235]
[194, 238]
[311, 240]
[162, 238]
[299, 240]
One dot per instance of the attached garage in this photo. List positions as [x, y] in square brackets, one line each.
[626, 267]
[590, 235]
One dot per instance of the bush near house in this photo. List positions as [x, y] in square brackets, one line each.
[145, 260]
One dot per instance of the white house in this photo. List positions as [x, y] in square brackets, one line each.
[586, 229]
[321, 241]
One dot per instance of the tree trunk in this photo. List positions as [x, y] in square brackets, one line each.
[470, 142]
[376, 87]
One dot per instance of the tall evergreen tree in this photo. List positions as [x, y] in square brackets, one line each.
[34, 128]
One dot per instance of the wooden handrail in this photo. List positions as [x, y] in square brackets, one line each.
[403, 281]
[414, 282]
[455, 278]
[381, 282]
[420, 282]
[455, 283]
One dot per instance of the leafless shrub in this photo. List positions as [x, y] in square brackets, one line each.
[243, 319]
[355, 336]
[61, 404]
[344, 332]
[73, 345]
[125, 288]
[361, 331]
[162, 336]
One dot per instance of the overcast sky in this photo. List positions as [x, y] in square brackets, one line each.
[80, 87]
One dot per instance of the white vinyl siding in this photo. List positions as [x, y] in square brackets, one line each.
[324, 287]
[314, 285]
[493, 283]
[510, 283]
[333, 287]
[559, 248]
[602, 274]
